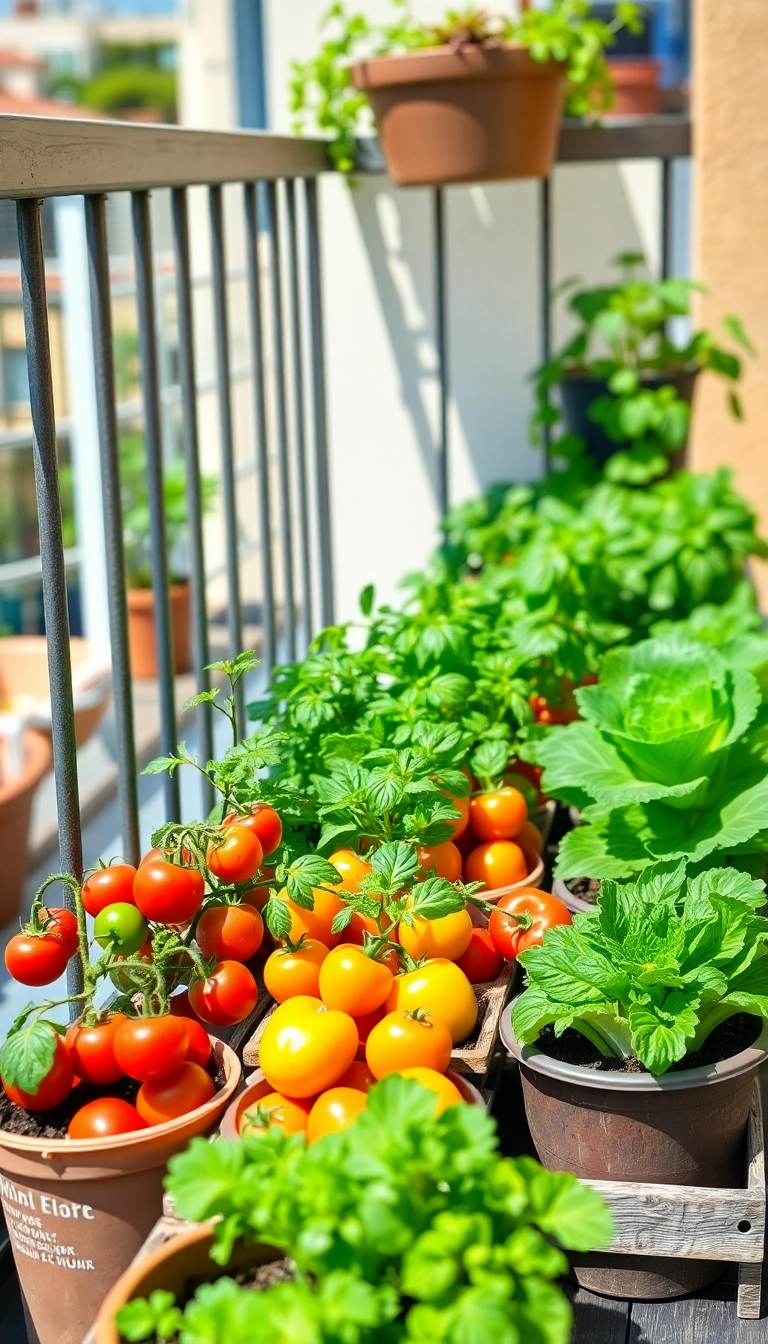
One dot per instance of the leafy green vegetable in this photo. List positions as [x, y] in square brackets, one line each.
[655, 968]
[668, 762]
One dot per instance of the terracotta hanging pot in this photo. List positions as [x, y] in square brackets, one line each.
[478, 114]
[142, 645]
[78, 1210]
[636, 86]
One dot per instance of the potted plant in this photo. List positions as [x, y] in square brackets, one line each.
[639, 1034]
[405, 1197]
[626, 385]
[140, 595]
[475, 98]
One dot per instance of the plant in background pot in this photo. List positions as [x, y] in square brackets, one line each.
[639, 1034]
[626, 385]
[136, 521]
[406, 1225]
[474, 98]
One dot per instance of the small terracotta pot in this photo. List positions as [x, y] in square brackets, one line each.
[636, 87]
[142, 645]
[78, 1210]
[16, 799]
[171, 1267]
[480, 114]
[682, 1128]
[578, 391]
[24, 682]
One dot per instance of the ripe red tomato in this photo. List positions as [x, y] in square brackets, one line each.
[238, 857]
[199, 1051]
[92, 1050]
[540, 912]
[55, 1086]
[36, 958]
[445, 858]
[167, 893]
[151, 1047]
[263, 822]
[500, 863]
[233, 932]
[168, 1098]
[108, 886]
[482, 959]
[64, 923]
[104, 1118]
[228, 995]
[497, 815]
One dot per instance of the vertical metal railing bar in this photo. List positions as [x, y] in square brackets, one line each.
[221, 328]
[441, 335]
[299, 410]
[545, 289]
[319, 404]
[260, 408]
[191, 449]
[109, 452]
[666, 218]
[283, 464]
[51, 549]
[145, 300]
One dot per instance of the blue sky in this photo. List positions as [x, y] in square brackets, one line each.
[105, 6]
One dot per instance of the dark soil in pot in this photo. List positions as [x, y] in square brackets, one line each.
[578, 893]
[578, 392]
[730, 1038]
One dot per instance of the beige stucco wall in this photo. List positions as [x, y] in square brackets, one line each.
[731, 229]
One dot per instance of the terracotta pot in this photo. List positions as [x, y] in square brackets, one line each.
[477, 115]
[636, 87]
[258, 1087]
[170, 1268]
[141, 629]
[15, 813]
[579, 390]
[79, 1210]
[25, 690]
[682, 1128]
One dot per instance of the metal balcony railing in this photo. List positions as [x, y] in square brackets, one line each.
[277, 177]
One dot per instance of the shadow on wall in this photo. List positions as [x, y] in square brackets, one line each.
[493, 296]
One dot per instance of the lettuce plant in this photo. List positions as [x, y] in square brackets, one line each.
[668, 761]
[405, 1227]
[654, 969]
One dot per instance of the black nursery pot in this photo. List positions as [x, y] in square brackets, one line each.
[580, 390]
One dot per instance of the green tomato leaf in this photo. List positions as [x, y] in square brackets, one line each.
[27, 1056]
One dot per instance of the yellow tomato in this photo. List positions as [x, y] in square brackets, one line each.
[440, 988]
[445, 937]
[306, 1047]
[351, 867]
[353, 982]
[334, 1111]
[448, 1093]
[314, 923]
[276, 1112]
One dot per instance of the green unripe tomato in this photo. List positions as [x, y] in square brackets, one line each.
[120, 927]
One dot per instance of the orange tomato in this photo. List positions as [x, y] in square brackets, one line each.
[498, 815]
[358, 1075]
[444, 858]
[288, 973]
[351, 867]
[460, 826]
[274, 1111]
[306, 1047]
[353, 982]
[334, 1111]
[529, 837]
[315, 923]
[448, 1093]
[500, 863]
[404, 1040]
[442, 990]
[447, 936]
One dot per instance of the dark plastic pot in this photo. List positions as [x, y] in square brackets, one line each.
[683, 1128]
[578, 392]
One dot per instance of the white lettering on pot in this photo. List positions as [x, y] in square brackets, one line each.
[30, 1237]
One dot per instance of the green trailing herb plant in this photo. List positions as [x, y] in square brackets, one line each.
[624, 338]
[657, 966]
[669, 760]
[133, 481]
[323, 97]
[406, 1226]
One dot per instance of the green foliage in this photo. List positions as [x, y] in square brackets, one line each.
[655, 968]
[407, 1226]
[27, 1053]
[624, 339]
[133, 481]
[129, 77]
[323, 97]
[668, 761]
